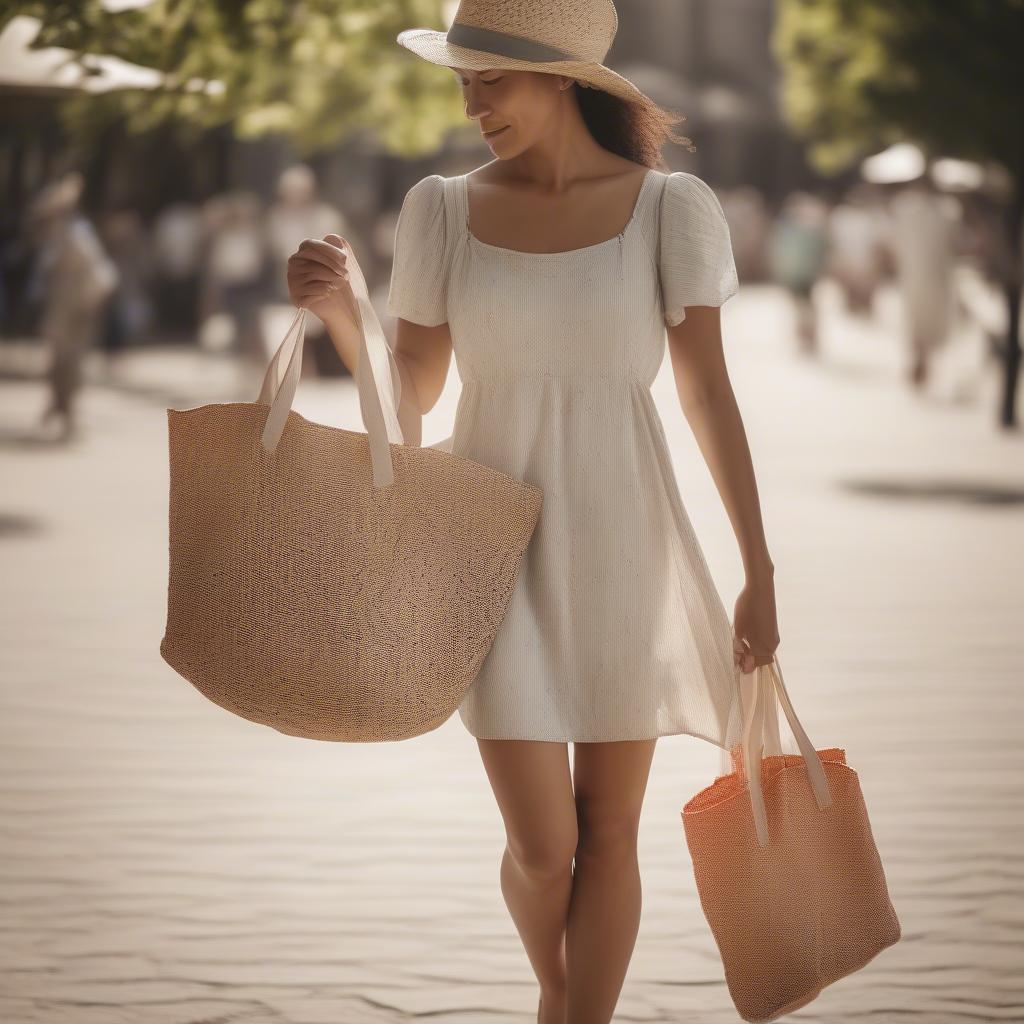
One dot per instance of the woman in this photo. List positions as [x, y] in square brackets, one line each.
[552, 273]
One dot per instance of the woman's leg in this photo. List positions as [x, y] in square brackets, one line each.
[533, 787]
[610, 780]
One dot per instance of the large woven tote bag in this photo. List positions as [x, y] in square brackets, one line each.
[332, 584]
[786, 867]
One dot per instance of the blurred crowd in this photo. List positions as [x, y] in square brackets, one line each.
[205, 272]
[199, 272]
[910, 234]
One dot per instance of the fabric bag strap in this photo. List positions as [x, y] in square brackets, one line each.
[378, 380]
[768, 684]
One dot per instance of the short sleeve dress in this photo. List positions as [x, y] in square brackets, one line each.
[614, 629]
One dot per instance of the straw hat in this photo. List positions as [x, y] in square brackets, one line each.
[557, 37]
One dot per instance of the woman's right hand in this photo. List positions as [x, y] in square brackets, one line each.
[319, 277]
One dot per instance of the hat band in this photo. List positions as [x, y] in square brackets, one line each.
[503, 44]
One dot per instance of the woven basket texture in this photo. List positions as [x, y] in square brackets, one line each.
[302, 597]
[802, 912]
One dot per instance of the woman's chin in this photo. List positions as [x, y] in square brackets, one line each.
[498, 137]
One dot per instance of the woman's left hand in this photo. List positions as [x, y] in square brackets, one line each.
[755, 626]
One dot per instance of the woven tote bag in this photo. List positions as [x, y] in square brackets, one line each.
[786, 867]
[331, 584]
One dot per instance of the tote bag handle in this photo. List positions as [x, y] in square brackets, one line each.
[377, 379]
[769, 683]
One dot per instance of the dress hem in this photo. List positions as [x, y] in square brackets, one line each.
[721, 744]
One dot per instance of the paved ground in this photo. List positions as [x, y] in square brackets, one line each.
[164, 862]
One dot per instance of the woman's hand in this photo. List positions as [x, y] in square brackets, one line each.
[319, 274]
[754, 624]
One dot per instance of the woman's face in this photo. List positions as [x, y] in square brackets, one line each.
[514, 108]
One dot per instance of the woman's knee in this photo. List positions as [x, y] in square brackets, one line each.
[546, 855]
[607, 835]
[533, 786]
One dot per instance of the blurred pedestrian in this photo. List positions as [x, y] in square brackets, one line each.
[923, 241]
[178, 240]
[856, 242]
[130, 310]
[797, 249]
[750, 227]
[76, 280]
[237, 265]
[299, 213]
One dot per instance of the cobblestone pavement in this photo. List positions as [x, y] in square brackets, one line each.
[165, 862]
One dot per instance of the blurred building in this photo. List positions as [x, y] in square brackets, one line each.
[712, 61]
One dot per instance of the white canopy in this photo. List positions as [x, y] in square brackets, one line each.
[53, 67]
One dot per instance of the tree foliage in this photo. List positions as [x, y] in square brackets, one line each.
[316, 71]
[860, 74]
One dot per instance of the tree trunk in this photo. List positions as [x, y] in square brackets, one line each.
[1015, 226]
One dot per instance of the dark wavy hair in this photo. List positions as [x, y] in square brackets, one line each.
[637, 131]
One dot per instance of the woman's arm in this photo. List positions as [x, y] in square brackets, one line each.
[709, 405]
[319, 280]
[422, 354]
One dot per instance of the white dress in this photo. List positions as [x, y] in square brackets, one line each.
[614, 629]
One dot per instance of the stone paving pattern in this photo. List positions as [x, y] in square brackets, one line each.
[164, 862]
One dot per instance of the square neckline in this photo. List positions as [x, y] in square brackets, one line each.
[473, 240]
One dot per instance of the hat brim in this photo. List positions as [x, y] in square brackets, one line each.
[433, 46]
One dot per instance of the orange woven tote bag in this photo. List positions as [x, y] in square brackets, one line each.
[332, 584]
[786, 867]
